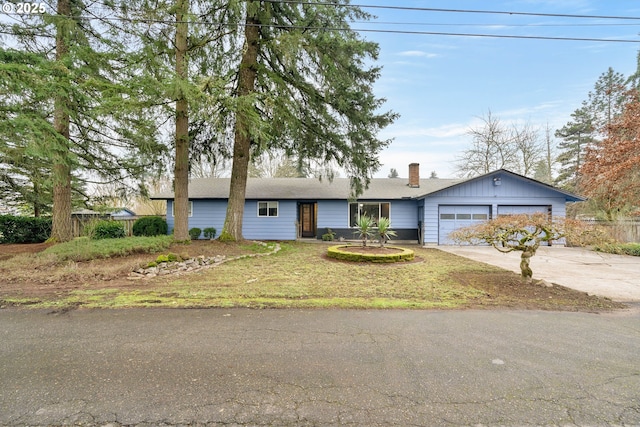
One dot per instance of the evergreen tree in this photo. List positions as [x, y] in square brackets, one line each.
[590, 122]
[68, 99]
[304, 87]
[576, 135]
[633, 81]
[187, 47]
[607, 99]
[393, 173]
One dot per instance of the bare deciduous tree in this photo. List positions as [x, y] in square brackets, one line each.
[499, 146]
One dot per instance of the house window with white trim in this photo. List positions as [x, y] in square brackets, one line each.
[267, 208]
[375, 210]
[173, 207]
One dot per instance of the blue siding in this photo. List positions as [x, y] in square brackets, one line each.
[211, 213]
[206, 213]
[333, 214]
[282, 227]
[404, 214]
[512, 191]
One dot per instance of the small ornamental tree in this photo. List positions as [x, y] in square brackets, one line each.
[524, 233]
[384, 232]
[364, 228]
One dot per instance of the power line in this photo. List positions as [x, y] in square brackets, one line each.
[380, 31]
[428, 9]
[409, 32]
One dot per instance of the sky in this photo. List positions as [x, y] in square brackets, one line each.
[441, 85]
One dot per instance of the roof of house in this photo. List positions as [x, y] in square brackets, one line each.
[310, 188]
[339, 188]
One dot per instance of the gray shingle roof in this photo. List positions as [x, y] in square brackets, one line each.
[311, 188]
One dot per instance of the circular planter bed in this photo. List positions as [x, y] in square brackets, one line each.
[370, 253]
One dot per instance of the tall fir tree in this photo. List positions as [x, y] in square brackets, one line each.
[607, 100]
[304, 86]
[69, 96]
[186, 46]
[576, 135]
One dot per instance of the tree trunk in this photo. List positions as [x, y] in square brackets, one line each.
[181, 171]
[61, 227]
[525, 269]
[232, 230]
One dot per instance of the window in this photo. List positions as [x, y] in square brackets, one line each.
[173, 207]
[374, 210]
[267, 208]
[447, 216]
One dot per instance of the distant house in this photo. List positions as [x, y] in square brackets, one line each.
[421, 210]
[117, 213]
[123, 213]
[81, 218]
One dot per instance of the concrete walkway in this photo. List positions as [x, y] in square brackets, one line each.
[612, 276]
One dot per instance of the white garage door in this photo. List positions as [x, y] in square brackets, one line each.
[453, 217]
[517, 210]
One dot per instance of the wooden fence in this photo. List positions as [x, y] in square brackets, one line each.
[81, 224]
[626, 231]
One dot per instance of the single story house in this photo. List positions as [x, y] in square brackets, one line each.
[421, 210]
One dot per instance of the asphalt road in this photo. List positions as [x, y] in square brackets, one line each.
[318, 368]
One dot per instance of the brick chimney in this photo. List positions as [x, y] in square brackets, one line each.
[414, 175]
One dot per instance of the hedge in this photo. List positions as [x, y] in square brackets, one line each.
[336, 253]
[22, 229]
[149, 226]
[108, 230]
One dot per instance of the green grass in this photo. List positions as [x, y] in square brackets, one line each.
[299, 276]
[85, 249]
[620, 248]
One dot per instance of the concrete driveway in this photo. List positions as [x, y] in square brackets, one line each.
[612, 276]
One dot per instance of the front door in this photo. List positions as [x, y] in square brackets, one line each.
[307, 219]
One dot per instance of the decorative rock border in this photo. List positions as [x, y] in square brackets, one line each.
[192, 265]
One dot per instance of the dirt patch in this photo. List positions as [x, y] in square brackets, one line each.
[25, 276]
[9, 250]
[508, 290]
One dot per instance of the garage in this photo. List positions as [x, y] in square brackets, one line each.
[451, 218]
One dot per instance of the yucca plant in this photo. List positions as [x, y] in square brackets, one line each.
[385, 233]
[364, 227]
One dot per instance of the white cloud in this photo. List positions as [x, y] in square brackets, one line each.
[418, 53]
[444, 131]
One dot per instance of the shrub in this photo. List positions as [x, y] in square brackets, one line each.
[210, 233]
[21, 229]
[329, 235]
[150, 226]
[632, 249]
[108, 230]
[170, 257]
[195, 233]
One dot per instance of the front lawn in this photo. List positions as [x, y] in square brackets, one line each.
[299, 276]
